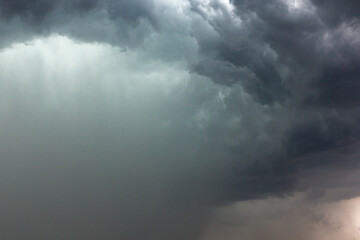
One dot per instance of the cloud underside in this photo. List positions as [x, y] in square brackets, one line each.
[129, 119]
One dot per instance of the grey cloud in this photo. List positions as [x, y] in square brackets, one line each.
[90, 20]
[272, 93]
[266, 48]
[334, 12]
[311, 83]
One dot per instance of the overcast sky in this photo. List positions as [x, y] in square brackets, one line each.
[179, 119]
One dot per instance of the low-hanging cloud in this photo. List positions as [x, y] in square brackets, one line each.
[134, 118]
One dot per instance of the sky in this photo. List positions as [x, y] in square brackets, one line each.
[181, 119]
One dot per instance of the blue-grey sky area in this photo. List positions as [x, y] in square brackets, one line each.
[179, 119]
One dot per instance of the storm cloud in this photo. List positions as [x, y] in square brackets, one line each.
[136, 119]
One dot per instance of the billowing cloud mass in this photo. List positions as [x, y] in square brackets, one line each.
[155, 119]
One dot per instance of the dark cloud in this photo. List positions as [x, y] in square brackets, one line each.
[38, 11]
[272, 95]
[284, 53]
[89, 20]
[335, 12]
[34, 11]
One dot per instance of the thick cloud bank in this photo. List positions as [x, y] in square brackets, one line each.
[135, 119]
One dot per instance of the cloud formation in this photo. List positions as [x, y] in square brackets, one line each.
[133, 118]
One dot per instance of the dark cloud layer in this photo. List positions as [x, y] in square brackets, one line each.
[289, 80]
[319, 85]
